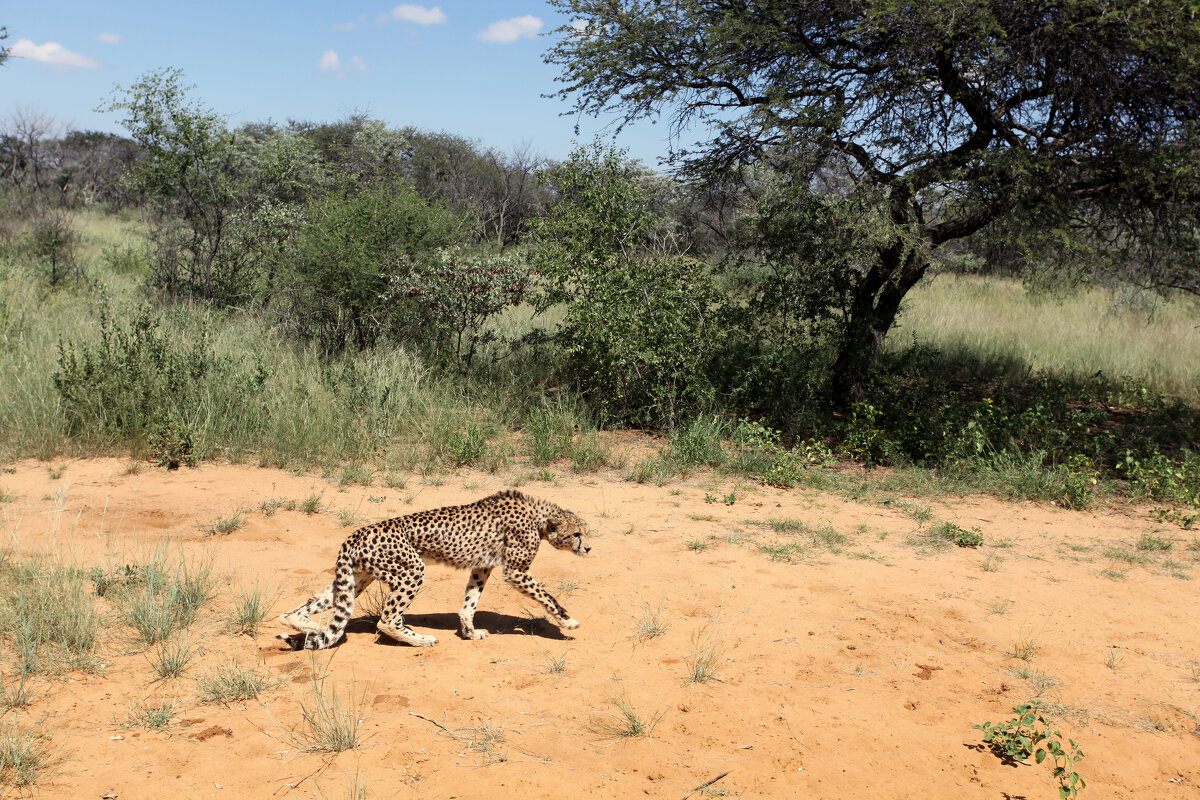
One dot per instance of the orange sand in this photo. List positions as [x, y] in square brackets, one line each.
[856, 672]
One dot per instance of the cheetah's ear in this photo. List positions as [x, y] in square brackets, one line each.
[551, 526]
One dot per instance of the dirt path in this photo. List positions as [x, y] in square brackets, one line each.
[845, 661]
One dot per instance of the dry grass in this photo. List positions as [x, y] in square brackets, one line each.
[1140, 336]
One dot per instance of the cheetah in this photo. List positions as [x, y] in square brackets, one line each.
[502, 529]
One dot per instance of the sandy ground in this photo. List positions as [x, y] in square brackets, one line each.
[855, 670]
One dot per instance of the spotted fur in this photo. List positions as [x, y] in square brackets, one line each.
[503, 529]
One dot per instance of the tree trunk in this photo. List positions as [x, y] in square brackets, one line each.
[873, 311]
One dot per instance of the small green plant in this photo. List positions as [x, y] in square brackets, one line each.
[544, 475]
[942, 536]
[698, 545]
[786, 552]
[1113, 574]
[346, 518]
[992, 563]
[729, 499]
[710, 498]
[152, 715]
[223, 526]
[159, 600]
[1029, 733]
[230, 682]
[311, 504]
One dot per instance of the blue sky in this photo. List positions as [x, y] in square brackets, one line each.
[473, 68]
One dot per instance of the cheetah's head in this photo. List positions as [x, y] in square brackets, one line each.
[566, 531]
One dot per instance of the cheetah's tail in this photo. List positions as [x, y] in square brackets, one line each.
[343, 603]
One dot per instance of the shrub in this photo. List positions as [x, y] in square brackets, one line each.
[356, 259]
[137, 383]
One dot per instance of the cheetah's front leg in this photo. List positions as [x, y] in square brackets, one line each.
[466, 617]
[527, 584]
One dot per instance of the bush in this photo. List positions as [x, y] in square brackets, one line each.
[359, 260]
[137, 384]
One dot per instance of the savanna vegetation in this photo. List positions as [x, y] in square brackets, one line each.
[955, 240]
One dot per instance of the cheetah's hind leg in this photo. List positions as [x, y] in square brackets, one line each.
[298, 618]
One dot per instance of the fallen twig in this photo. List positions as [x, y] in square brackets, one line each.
[704, 785]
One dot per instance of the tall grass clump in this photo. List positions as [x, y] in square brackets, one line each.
[165, 595]
[333, 722]
[48, 614]
[22, 755]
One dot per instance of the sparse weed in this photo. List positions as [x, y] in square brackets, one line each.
[544, 475]
[48, 615]
[991, 563]
[556, 665]
[1000, 607]
[1023, 649]
[166, 600]
[651, 625]
[1113, 574]
[590, 452]
[786, 552]
[920, 513]
[1113, 661]
[356, 474]
[1149, 543]
[625, 722]
[346, 518]
[703, 663]
[698, 545]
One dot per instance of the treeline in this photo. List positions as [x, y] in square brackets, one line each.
[650, 299]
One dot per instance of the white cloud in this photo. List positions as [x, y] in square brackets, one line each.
[343, 26]
[358, 64]
[51, 53]
[509, 30]
[580, 24]
[329, 61]
[110, 38]
[407, 12]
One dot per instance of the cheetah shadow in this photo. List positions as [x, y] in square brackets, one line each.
[495, 624]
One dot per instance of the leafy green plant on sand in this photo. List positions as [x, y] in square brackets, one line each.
[1029, 733]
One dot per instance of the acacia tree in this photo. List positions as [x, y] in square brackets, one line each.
[937, 118]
